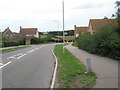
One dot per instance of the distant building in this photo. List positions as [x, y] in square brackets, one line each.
[7, 32]
[45, 33]
[25, 32]
[94, 25]
[81, 30]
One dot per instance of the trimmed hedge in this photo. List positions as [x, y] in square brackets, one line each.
[104, 42]
[9, 43]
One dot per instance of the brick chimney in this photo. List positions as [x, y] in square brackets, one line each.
[20, 27]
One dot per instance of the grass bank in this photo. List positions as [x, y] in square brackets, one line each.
[71, 72]
[15, 48]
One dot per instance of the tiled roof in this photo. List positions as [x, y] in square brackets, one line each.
[28, 31]
[7, 32]
[81, 29]
[98, 23]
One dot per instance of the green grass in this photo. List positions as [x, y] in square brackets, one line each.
[75, 44]
[71, 72]
[43, 36]
[67, 37]
[11, 49]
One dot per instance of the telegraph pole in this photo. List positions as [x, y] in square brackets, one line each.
[63, 27]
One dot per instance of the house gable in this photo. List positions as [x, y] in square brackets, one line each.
[7, 32]
[29, 32]
[95, 24]
[81, 30]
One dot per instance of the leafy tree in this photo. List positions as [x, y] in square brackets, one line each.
[35, 40]
[118, 15]
[22, 41]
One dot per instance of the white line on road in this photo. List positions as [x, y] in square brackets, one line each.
[1, 63]
[5, 64]
[14, 56]
[18, 56]
[55, 70]
[21, 56]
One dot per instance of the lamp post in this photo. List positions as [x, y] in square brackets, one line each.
[57, 27]
[63, 27]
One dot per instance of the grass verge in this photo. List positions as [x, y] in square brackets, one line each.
[75, 44]
[11, 49]
[71, 72]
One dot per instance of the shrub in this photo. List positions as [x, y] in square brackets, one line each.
[35, 40]
[22, 41]
[9, 43]
[105, 42]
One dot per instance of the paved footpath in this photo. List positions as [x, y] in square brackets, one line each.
[106, 69]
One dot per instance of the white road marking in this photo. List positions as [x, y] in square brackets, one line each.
[5, 64]
[18, 56]
[21, 56]
[14, 56]
[55, 71]
[36, 48]
[1, 63]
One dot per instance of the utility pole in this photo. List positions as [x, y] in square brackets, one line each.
[63, 27]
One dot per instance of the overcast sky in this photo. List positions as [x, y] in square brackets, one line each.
[41, 13]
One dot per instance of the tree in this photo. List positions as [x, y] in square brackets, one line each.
[22, 41]
[118, 15]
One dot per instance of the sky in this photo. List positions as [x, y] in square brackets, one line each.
[41, 14]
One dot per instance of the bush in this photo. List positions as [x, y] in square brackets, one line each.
[9, 43]
[105, 42]
[35, 40]
[22, 41]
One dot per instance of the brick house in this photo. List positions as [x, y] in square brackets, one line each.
[8, 33]
[81, 30]
[25, 32]
[95, 24]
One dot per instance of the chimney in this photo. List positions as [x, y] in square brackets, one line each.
[7, 27]
[20, 27]
[75, 27]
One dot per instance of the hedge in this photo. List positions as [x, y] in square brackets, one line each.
[104, 42]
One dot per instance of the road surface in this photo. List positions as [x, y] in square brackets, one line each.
[28, 68]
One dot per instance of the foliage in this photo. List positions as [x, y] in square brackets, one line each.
[105, 42]
[60, 33]
[22, 41]
[35, 40]
[7, 43]
[118, 15]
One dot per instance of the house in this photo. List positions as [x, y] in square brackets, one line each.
[7, 32]
[95, 24]
[25, 32]
[81, 30]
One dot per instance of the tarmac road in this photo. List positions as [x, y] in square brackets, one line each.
[28, 68]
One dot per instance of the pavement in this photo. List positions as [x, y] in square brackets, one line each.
[30, 67]
[105, 68]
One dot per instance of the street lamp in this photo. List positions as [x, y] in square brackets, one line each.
[63, 27]
[57, 27]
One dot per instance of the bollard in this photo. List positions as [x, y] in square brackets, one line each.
[88, 67]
